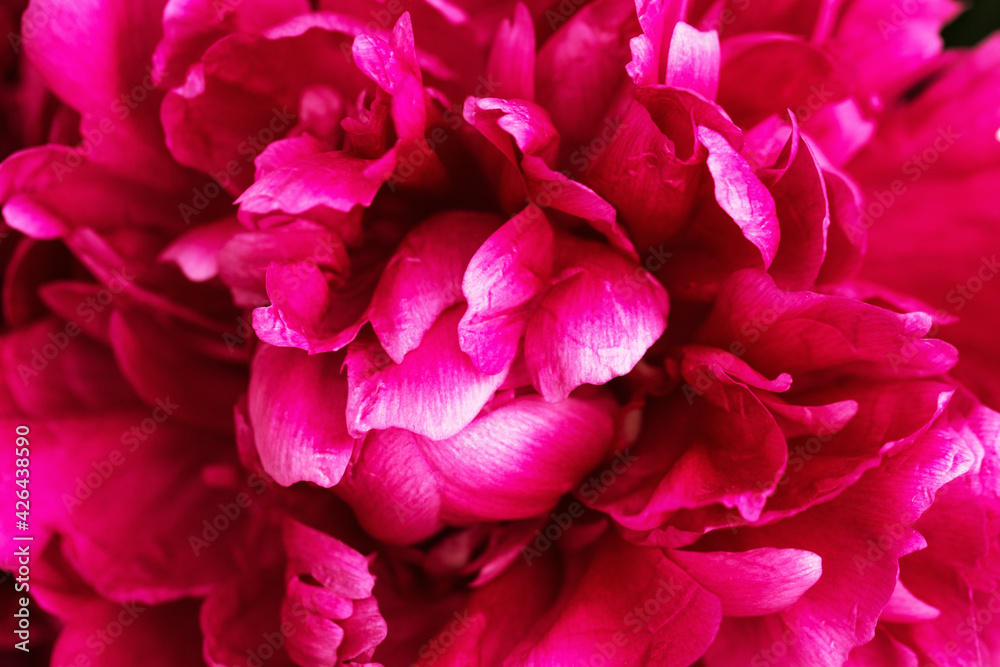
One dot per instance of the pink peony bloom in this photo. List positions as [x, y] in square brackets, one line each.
[513, 333]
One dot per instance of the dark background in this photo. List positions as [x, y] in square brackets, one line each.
[975, 24]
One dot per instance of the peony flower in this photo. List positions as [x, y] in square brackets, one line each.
[511, 333]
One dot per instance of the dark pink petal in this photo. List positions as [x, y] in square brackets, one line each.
[158, 636]
[803, 332]
[885, 45]
[47, 371]
[306, 313]
[841, 610]
[652, 189]
[656, 615]
[580, 71]
[183, 477]
[329, 596]
[753, 85]
[171, 370]
[191, 26]
[93, 52]
[239, 617]
[244, 259]
[216, 125]
[803, 209]
[713, 442]
[494, 618]
[883, 650]
[335, 181]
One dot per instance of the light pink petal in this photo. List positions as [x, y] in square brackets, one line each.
[693, 60]
[512, 58]
[752, 583]
[518, 460]
[649, 50]
[436, 390]
[594, 325]
[504, 279]
[296, 406]
[741, 195]
[197, 252]
[424, 278]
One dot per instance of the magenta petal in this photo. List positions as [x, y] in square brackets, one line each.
[502, 281]
[605, 609]
[835, 334]
[392, 488]
[595, 324]
[518, 460]
[424, 278]
[334, 180]
[741, 194]
[191, 26]
[91, 52]
[435, 391]
[752, 583]
[197, 252]
[329, 594]
[693, 60]
[296, 406]
[512, 58]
